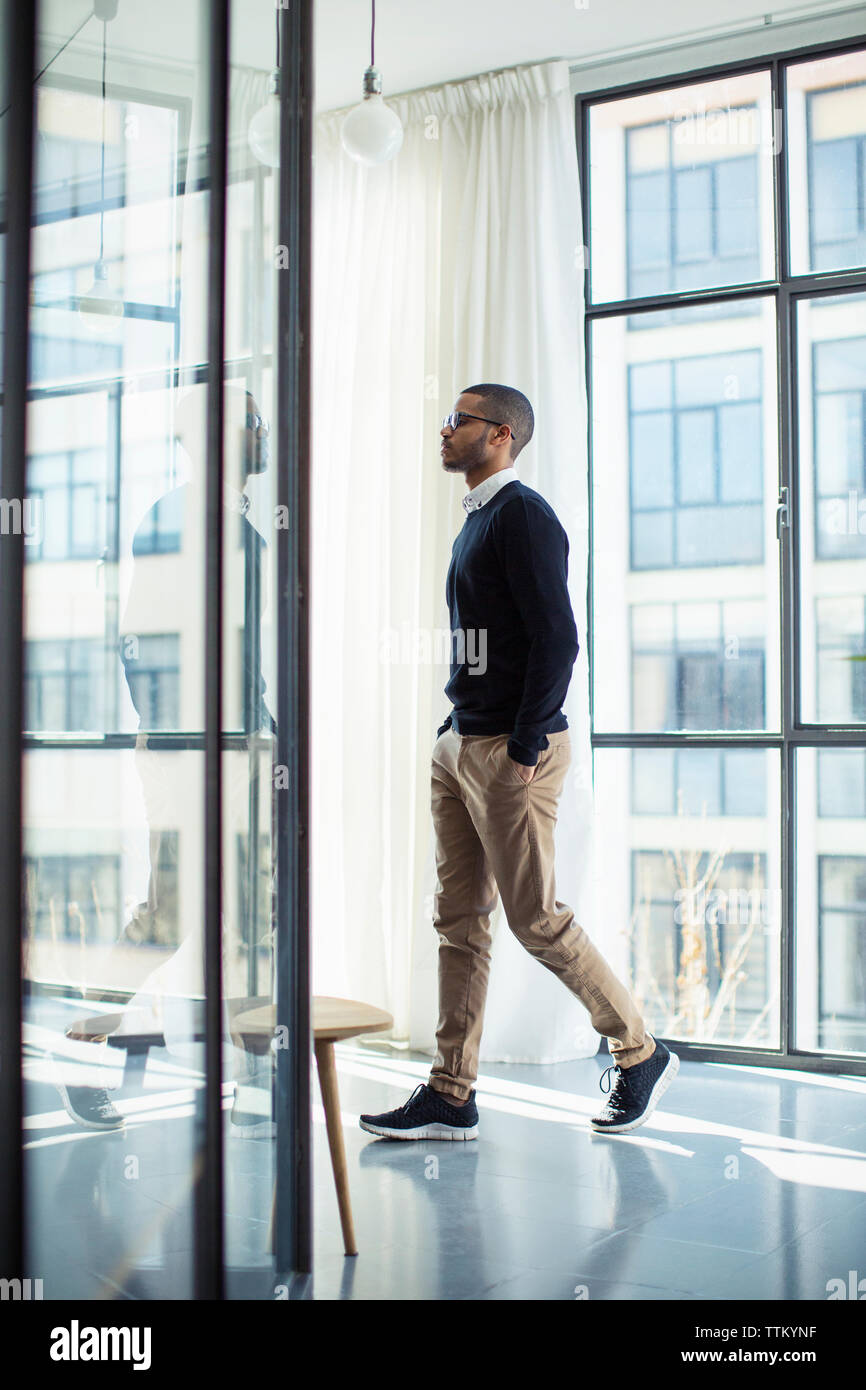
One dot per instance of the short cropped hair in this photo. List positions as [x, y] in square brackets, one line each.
[510, 407]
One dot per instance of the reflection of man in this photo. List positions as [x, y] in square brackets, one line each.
[499, 766]
[181, 511]
[171, 702]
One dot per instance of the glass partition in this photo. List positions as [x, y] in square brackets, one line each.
[151, 559]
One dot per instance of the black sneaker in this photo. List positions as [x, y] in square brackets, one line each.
[251, 1111]
[91, 1107]
[426, 1115]
[636, 1091]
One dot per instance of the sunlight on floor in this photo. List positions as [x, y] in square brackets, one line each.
[807, 1160]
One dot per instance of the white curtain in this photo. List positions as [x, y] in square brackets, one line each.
[458, 262]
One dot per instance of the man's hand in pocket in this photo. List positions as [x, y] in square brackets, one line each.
[526, 773]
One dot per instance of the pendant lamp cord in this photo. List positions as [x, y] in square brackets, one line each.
[279, 7]
[373, 38]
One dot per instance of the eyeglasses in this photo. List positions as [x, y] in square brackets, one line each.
[257, 423]
[456, 418]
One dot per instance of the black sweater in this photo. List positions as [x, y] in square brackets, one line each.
[513, 634]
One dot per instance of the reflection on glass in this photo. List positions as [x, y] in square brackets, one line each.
[826, 142]
[682, 188]
[831, 389]
[115, 679]
[690, 861]
[685, 558]
[113, 834]
[831, 899]
[249, 670]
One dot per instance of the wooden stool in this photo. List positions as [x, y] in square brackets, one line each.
[140, 1032]
[333, 1021]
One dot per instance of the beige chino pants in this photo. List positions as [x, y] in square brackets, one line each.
[495, 835]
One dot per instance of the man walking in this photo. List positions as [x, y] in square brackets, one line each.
[499, 765]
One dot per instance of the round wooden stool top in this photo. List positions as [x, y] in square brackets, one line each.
[333, 1019]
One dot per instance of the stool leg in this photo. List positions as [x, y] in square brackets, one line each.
[327, 1067]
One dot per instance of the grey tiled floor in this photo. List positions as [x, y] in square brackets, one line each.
[744, 1184]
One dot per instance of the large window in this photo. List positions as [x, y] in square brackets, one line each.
[727, 378]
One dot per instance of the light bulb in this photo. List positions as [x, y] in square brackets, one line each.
[264, 128]
[372, 132]
[101, 307]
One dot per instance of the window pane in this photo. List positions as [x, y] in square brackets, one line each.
[831, 900]
[652, 540]
[743, 782]
[705, 673]
[696, 452]
[699, 782]
[682, 188]
[650, 386]
[684, 448]
[649, 220]
[693, 201]
[653, 771]
[740, 453]
[826, 144]
[831, 389]
[652, 482]
[842, 782]
[698, 882]
[737, 194]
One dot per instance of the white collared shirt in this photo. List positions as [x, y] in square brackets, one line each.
[484, 491]
[234, 500]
